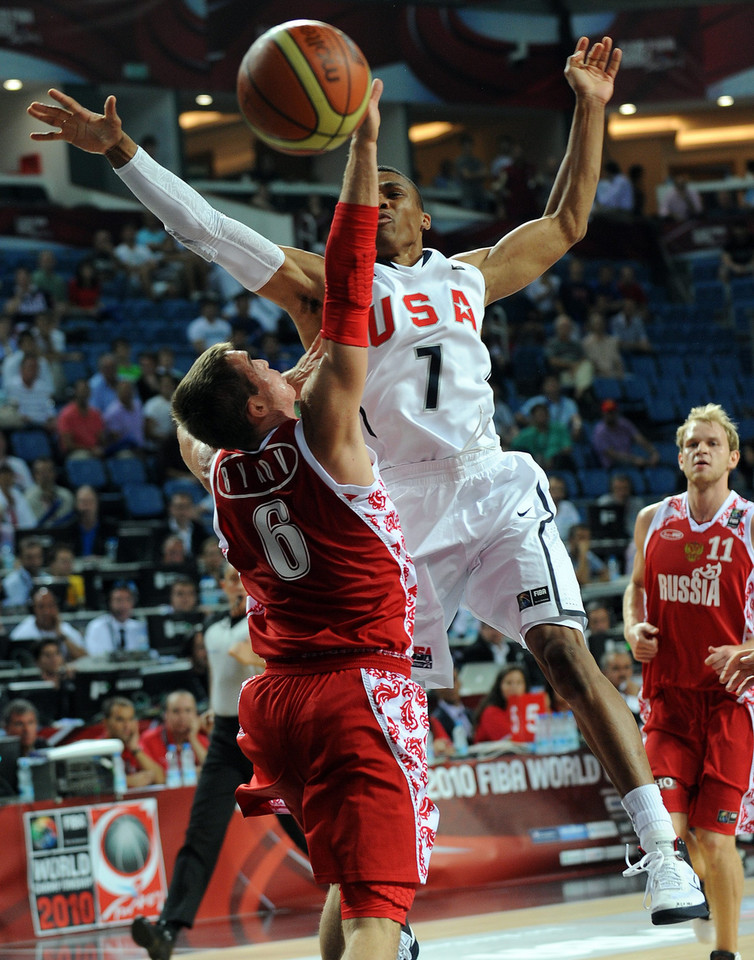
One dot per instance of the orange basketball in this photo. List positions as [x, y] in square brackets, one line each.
[303, 87]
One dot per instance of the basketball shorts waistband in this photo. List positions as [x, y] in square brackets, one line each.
[428, 472]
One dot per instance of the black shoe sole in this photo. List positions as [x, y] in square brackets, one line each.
[679, 914]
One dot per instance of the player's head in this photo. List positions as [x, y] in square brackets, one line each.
[225, 398]
[709, 413]
[402, 219]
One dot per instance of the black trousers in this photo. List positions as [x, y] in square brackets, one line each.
[224, 768]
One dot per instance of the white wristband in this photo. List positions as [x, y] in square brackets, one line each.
[248, 256]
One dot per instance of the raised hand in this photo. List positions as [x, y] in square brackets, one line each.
[370, 124]
[591, 73]
[92, 132]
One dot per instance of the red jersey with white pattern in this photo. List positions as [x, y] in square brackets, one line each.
[325, 563]
[699, 588]
[426, 395]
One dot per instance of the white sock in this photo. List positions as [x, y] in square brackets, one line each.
[650, 819]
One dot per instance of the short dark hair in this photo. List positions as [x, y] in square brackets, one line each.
[117, 701]
[36, 650]
[18, 707]
[210, 402]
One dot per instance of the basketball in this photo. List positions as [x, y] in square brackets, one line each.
[303, 87]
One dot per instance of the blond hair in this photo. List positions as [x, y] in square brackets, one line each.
[709, 413]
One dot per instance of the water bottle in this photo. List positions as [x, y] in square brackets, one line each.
[613, 570]
[25, 780]
[208, 592]
[430, 748]
[173, 768]
[111, 549]
[188, 766]
[543, 734]
[460, 740]
[119, 775]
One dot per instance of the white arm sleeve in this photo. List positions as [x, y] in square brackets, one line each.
[248, 256]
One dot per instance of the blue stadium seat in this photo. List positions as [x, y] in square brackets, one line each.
[123, 470]
[143, 501]
[712, 294]
[661, 481]
[594, 481]
[192, 487]
[88, 470]
[28, 444]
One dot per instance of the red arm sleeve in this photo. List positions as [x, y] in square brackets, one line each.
[349, 272]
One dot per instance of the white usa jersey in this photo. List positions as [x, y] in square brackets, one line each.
[426, 395]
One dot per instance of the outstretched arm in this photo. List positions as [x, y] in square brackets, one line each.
[526, 252]
[331, 399]
[294, 279]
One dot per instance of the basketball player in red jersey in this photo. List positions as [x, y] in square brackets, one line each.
[479, 520]
[689, 603]
[335, 727]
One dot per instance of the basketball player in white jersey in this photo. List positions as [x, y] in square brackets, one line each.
[480, 521]
[689, 608]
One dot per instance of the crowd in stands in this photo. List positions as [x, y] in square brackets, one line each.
[107, 541]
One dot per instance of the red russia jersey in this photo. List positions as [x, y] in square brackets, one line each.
[698, 583]
[325, 564]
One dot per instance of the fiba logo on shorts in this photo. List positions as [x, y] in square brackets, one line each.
[727, 816]
[667, 783]
[125, 844]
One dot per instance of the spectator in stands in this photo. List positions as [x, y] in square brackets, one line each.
[312, 224]
[607, 297]
[636, 176]
[21, 719]
[599, 633]
[680, 201]
[211, 561]
[125, 366]
[629, 286]
[492, 720]
[491, 646]
[621, 493]
[614, 191]
[471, 173]
[47, 279]
[124, 422]
[19, 583]
[567, 512]
[80, 426]
[27, 347]
[14, 507]
[178, 620]
[209, 327]
[547, 441]
[8, 341]
[148, 379]
[614, 440]
[566, 357]
[576, 296]
[562, 408]
[85, 291]
[52, 346]
[106, 264]
[27, 300]
[195, 650]
[242, 311]
[543, 293]
[44, 623]
[737, 258]
[166, 362]
[588, 566]
[137, 261]
[627, 326]
[29, 396]
[602, 349]
[49, 660]
[158, 420]
[117, 631]
[182, 521]
[51, 504]
[450, 712]
[22, 477]
[89, 532]
[120, 723]
[181, 724]
[61, 567]
[104, 383]
[618, 667]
